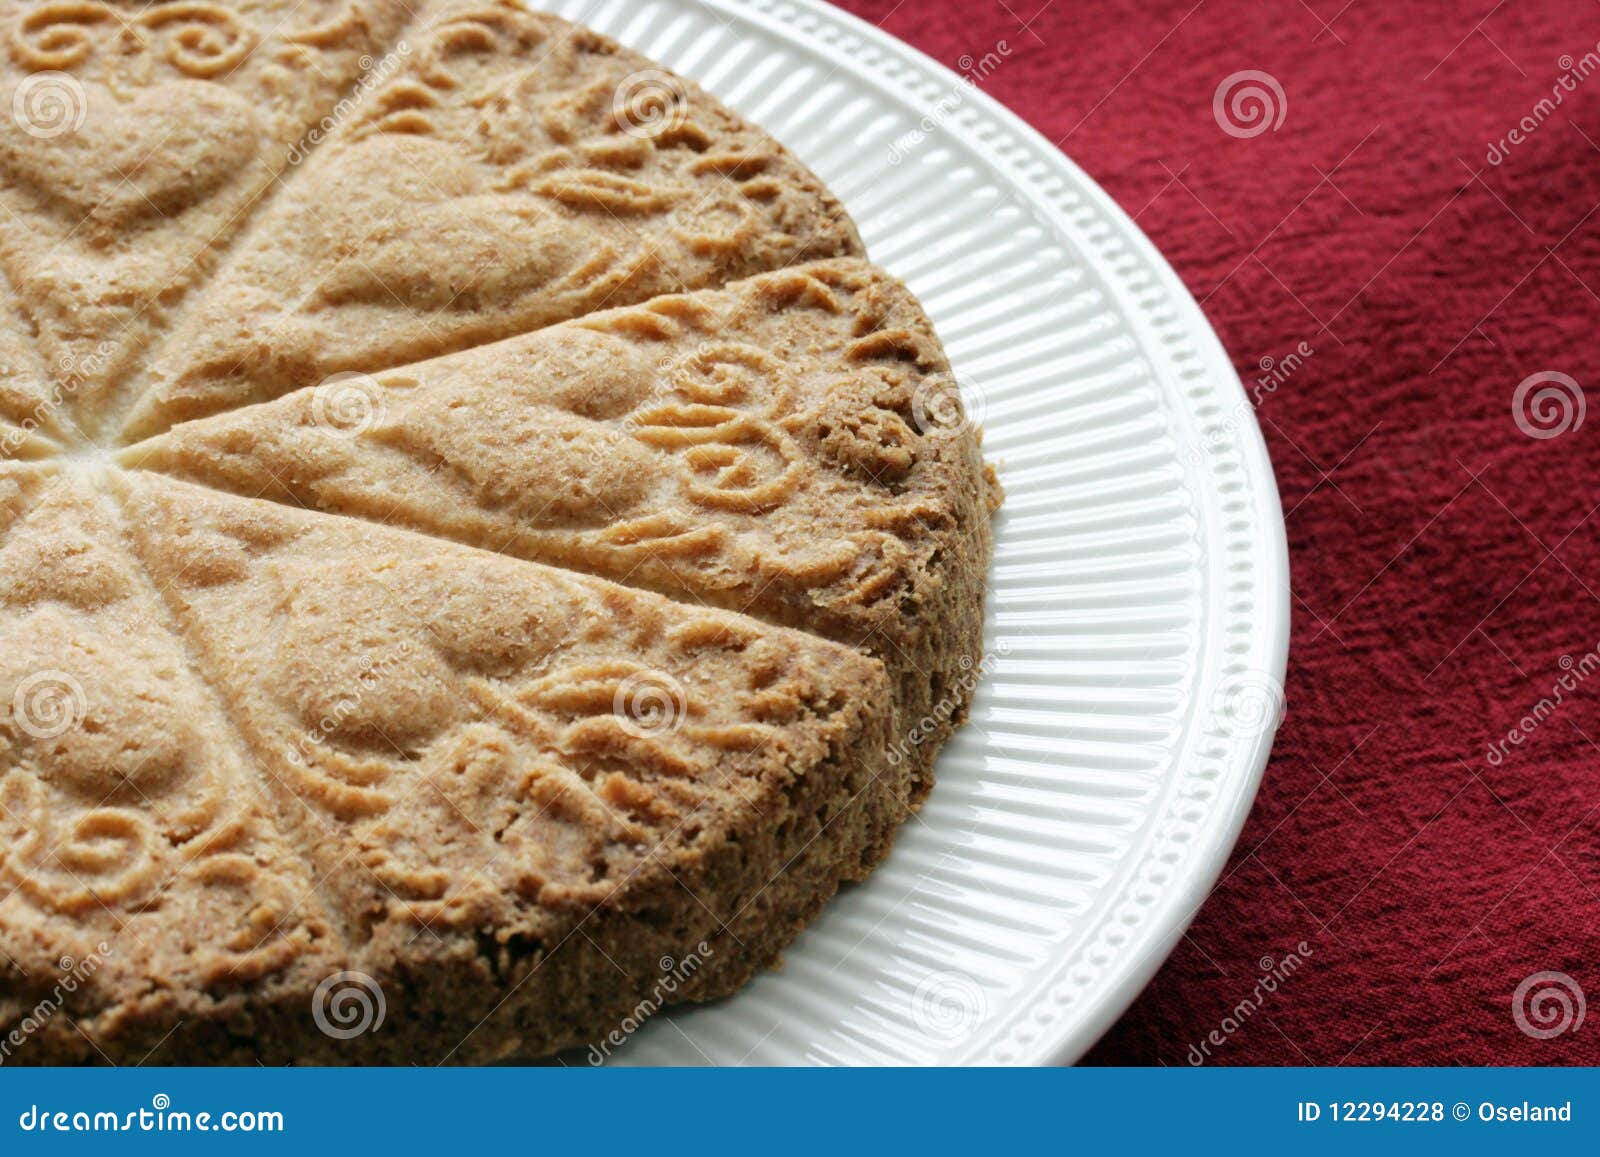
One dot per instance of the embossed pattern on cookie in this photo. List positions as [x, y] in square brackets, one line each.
[517, 170]
[137, 138]
[130, 831]
[463, 741]
[680, 594]
[792, 446]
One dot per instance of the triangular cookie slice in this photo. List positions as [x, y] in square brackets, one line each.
[139, 138]
[792, 446]
[517, 170]
[522, 785]
[143, 886]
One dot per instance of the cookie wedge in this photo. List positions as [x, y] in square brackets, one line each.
[792, 447]
[144, 889]
[142, 136]
[516, 171]
[520, 789]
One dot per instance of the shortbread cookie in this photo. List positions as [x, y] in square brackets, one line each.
[509, 782]
[470, 551]
[792, 446]
[138, 856]
[141, 134]
[516, 170]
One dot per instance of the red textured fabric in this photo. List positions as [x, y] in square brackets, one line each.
[1445, 562]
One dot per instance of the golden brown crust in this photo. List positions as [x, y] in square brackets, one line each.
[678, 599]
[791, 446]
[516, 170]
[143, 133]
[136, 856]
[481, 760]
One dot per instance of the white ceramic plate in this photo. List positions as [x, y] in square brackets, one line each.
[1139, 615]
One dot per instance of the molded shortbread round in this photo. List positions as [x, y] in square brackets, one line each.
[480, 547]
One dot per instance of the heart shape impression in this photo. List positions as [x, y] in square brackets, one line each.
[159, 152]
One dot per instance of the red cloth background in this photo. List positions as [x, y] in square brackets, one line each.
[1445, 564]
